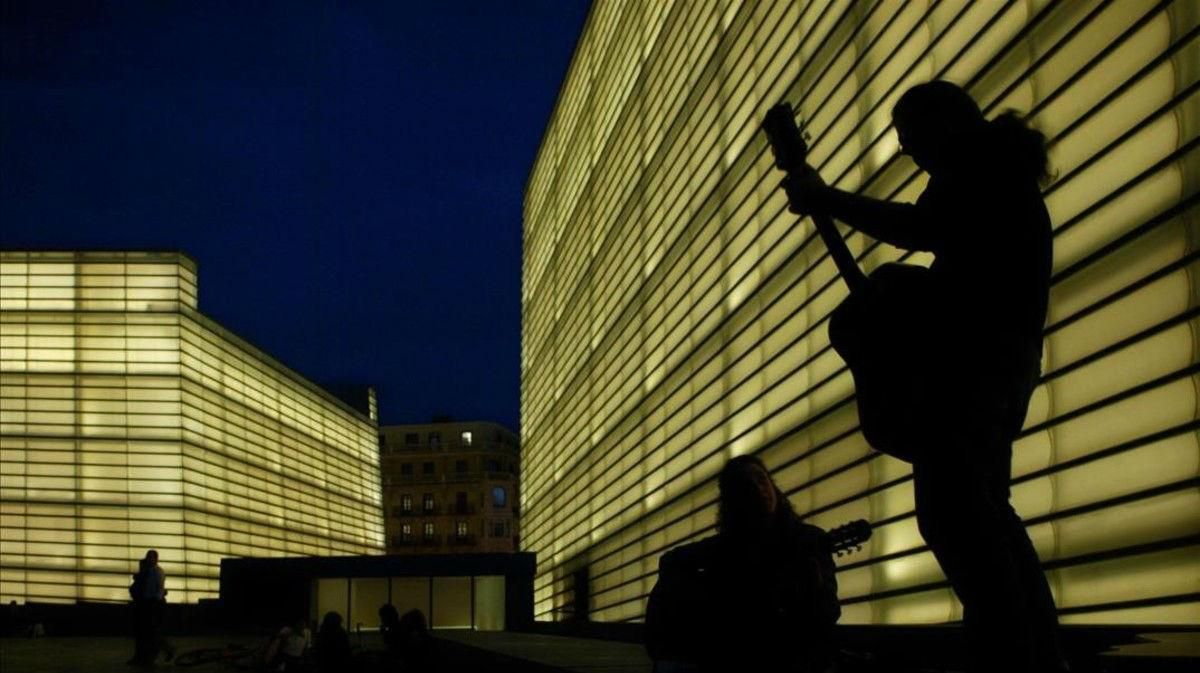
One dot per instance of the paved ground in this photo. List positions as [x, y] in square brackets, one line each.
[108, 655]
[502, 652]
[578, 655]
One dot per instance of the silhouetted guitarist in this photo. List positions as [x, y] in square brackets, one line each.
[983, 218]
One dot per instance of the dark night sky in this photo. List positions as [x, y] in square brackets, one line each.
[348, 176]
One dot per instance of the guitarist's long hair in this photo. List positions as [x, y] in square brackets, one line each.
[729, 520]
[1018, 148]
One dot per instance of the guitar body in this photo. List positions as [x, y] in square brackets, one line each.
[870, 330]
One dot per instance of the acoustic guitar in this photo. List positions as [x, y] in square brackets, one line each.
[877, 329]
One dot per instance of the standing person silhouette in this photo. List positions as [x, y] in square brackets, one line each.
[983, 218]
[149, 595]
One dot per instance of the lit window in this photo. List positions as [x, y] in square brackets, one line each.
[406, 532]
[460, 530]
[466, 438]
[427, 502]
[406, 503]
[428, 531]
[499, 496]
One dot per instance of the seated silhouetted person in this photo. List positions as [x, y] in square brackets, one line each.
[978, 352]
[758, 596]
[333, 645]
[405, 637]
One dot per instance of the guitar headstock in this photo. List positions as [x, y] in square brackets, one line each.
[849, 537]
[787, 141]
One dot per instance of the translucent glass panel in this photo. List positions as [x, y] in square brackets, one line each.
[132, 427]
[489, 603]
[96, 281]
[367, 595]
[451, 603]
[673, 313]
[411, 593]
[333, 595]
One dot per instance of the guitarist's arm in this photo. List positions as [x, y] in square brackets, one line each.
[900, 224]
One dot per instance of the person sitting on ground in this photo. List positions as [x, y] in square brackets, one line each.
[333, 645]
[760, 595]
[287, 649]
[389, 629]
[415, 641]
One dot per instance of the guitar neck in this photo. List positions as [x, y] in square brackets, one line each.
[847, 538]
[842, 258]
[791, 152]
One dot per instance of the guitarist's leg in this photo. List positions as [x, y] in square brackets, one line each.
[971, 533]
[1040, 609]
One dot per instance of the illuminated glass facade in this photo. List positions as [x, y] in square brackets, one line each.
[129, 420]
[674, 314]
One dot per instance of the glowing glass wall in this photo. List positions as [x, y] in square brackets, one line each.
[674, 314]
[129, 420]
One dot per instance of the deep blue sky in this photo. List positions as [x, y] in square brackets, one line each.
[348, 176]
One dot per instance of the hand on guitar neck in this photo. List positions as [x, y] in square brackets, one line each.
[805, 188]
[805, 191]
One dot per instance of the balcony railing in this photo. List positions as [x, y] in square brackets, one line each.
[452, 477]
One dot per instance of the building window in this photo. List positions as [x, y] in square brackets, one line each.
[466, 438]
[406, 503]
[499, 496]
[406, 532]
[493, 465]
[460, 466]
[498, 529]
[460, 502]
[382, 442]
[427, 502]
[406, 469]
[460, 530]
[435, 440]
[426, 468]
[428, 531]
[412, 439]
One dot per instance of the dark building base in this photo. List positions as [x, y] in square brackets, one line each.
[262, 593]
